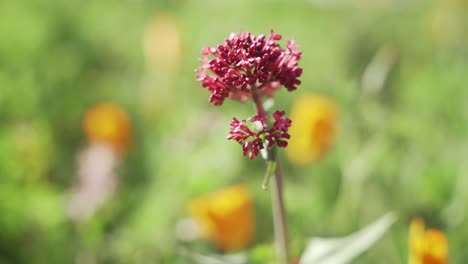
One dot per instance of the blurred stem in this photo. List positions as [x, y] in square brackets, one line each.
[257, 101]
[279, 216]
[271, 167]
[279, 213]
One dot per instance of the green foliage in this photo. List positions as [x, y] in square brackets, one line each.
[401, 149]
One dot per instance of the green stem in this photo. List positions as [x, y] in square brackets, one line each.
[271, 167]
[279, 217]
[279, 212]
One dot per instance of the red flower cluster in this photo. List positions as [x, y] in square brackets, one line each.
[245, 62]
[247, 66]
[276, 134]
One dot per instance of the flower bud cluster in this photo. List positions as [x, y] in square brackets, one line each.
[245, 62]
[246, 67]
[253, 141]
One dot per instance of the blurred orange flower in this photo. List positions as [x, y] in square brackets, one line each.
[226, 217]
[108, 124]
[313, 128]
[426, 246]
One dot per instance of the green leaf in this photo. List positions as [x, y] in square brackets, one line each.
[271, 167]
[344, 249]
[238, 258]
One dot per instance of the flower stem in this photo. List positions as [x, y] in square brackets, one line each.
[279, 212]
[271, 168]
[279, 216]
[257, 101]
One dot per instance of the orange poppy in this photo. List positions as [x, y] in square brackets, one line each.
[313, 128]
[226, 217]
[426, 246]
[108, 123]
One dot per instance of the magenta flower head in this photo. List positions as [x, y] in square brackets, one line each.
[248, 66]
[276, 134]
[246, 62]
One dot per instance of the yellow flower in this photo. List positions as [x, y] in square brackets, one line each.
[226, 217]
[426, 246]
[447, 25]
[162, 42]
[313, 128]
[109, 124]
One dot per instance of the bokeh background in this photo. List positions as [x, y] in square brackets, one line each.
[396, 69]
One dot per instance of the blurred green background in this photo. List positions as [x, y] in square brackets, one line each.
[397, 70]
